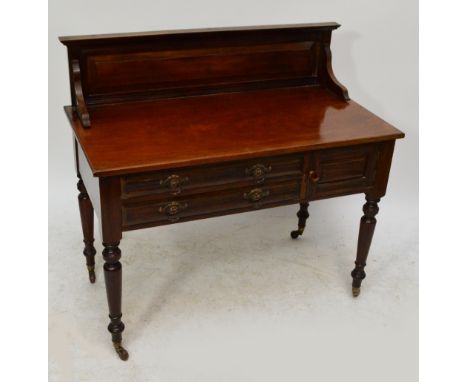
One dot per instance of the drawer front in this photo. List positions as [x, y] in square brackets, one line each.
[343, 171]
[171, 210]
[194, 179]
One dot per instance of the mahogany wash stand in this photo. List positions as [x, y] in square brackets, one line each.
[175, 126]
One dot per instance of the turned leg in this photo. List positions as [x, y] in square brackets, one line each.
[303, 214]
[87, 224]
[113, 279]
[366, 231]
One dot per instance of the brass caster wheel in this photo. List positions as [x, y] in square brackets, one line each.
[296, 234]
[92, 275]
[356, 291]
[121, 352]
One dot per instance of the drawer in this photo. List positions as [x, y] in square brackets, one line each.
[192, 180]
[151, 212]
[343, 171]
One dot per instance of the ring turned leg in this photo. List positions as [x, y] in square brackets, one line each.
[113, 279]
[366, 231]
[87, 224]
[303, 214]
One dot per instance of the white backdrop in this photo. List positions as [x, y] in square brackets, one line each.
[375, 55]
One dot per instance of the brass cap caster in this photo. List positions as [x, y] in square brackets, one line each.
[91, 274]
[296, 234]
[121, 352]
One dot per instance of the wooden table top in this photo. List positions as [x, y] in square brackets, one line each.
[168, 133]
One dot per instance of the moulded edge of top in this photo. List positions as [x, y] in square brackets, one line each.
[68, 40]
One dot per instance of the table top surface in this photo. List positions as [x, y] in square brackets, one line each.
[168, 133]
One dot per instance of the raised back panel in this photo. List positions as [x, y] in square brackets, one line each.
[126, 67]
[153, 70]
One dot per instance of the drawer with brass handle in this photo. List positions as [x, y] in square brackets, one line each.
[141, 213]
[187, 181]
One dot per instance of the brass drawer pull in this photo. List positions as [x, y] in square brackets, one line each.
[313, 176]
[256, 194]
[174, 182]
[258, 172]
[173, 208]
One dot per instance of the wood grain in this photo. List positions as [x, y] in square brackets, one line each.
[172, 133]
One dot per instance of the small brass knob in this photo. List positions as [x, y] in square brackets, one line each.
[313, 176]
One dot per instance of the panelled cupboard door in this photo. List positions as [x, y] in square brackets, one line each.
[342, 171]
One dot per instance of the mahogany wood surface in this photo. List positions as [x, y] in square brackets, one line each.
[178, 132]
[175, 126]
[121, 68]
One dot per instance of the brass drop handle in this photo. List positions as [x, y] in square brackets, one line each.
[172, 208]
[314, 176]
[258, 172]
[174, 182]
[256, 194]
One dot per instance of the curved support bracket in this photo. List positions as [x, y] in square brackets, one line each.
[80, 107]
[328, 77]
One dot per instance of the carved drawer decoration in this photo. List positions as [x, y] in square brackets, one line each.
[172, 209]
[256, 196]
[174, 183]
[258, 172]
